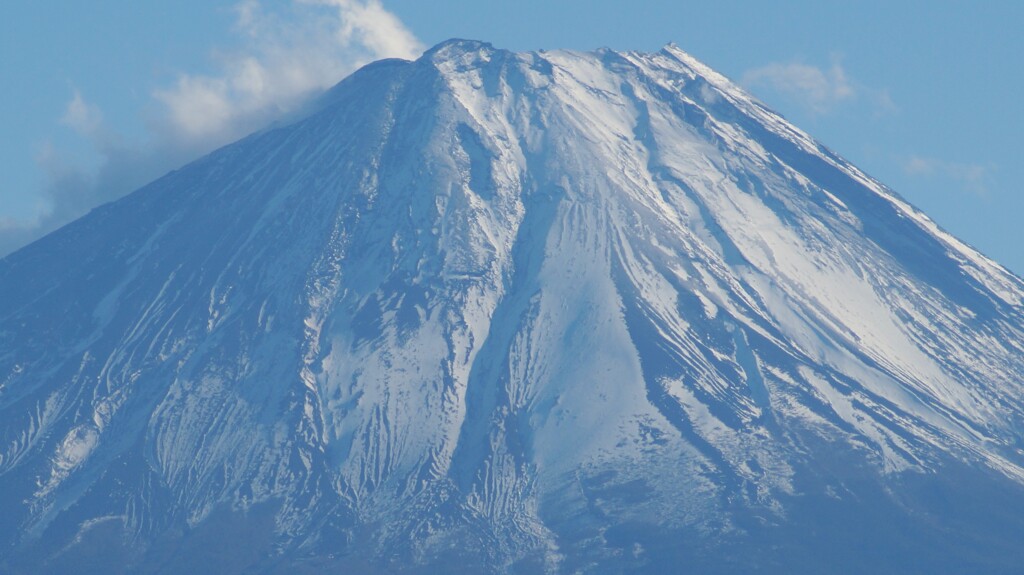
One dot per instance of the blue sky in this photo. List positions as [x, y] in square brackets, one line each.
[101, 97]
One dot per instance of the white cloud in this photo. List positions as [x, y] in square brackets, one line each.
[288, 54]
[974, 177]
[368, 24]
[918, 166]
[883, 102]
[82, 117]
[817, 89]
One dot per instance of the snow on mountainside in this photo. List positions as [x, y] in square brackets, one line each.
[489, 311]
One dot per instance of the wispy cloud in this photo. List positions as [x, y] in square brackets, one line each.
[816, 89]
[369, 25]
[82, 117]
[819, 90]
[973, 177]
[288, 54]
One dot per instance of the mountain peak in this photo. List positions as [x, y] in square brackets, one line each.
[457, 46]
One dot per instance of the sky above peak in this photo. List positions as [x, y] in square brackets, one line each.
[107, 96]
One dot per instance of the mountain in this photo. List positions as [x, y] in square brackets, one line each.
[512, 312]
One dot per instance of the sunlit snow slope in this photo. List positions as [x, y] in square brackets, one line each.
[499, 312]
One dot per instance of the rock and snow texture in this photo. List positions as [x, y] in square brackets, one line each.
[539, 312]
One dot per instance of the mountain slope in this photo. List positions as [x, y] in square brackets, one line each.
[490, 311]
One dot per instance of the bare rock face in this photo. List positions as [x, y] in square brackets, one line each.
[529, 313]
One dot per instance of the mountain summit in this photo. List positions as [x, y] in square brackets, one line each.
[512, 312]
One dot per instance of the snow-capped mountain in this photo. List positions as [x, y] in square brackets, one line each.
[512, 312]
